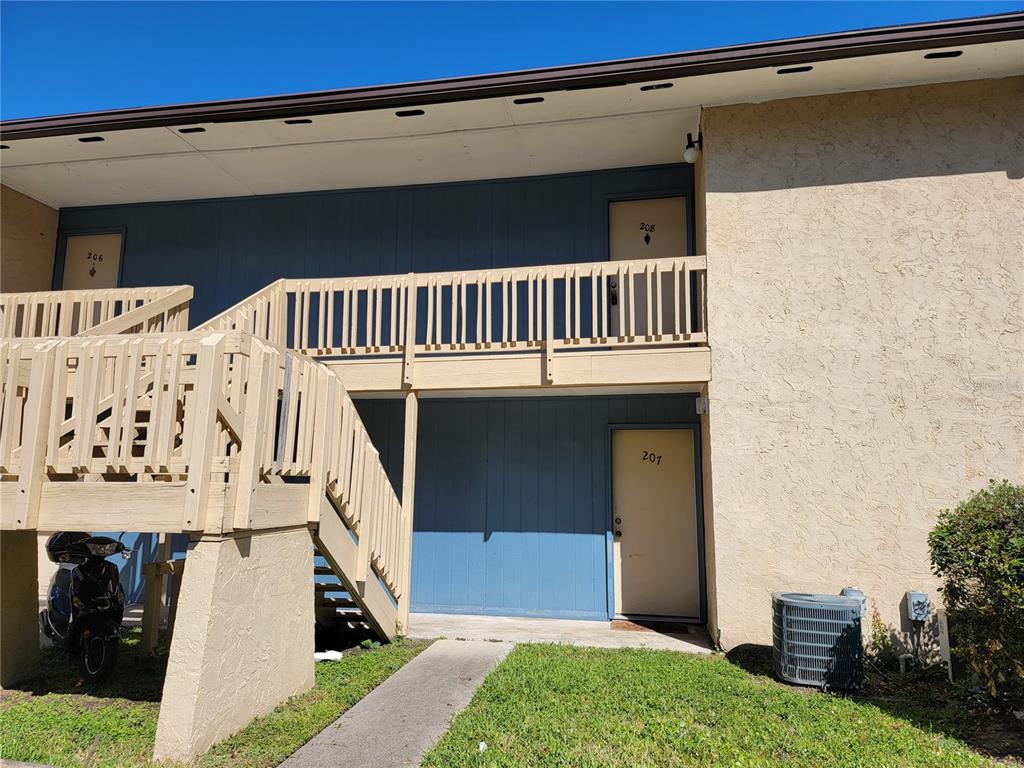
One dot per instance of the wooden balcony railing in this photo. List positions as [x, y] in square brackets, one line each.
[95, 312]
[220, 414]
[642, 303]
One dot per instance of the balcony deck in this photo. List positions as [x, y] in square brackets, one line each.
[599, 328]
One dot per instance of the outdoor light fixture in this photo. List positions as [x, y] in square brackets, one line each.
[693, 148]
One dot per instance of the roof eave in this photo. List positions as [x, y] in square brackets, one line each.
[841, 45]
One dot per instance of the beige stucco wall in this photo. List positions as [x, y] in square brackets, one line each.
[28, 238]
[243, 638]
[866, 271]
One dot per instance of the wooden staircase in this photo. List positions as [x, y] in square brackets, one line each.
[200, 432]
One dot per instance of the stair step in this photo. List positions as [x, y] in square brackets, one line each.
[336, 602]
[335, 587]
[322, 570]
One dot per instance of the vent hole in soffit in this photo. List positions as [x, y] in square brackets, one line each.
[90, 139]
[793, 70]
[943, 54]
[298, 121]
[409, 113]
[192, 130]
[528, 100]
[655, 87]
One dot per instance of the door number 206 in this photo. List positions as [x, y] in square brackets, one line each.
[654, 458]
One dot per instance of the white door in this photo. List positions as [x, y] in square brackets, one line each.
[653, 228]
[654, 518]
[91, 261]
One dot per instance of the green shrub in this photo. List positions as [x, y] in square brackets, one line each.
[880, 647]
[977, 550]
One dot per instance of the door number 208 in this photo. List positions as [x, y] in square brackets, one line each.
[652, 457]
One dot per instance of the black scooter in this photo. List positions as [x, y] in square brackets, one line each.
[85, 603]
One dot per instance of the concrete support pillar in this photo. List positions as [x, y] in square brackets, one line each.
[19, 606]
[412, 421]
[243, 638]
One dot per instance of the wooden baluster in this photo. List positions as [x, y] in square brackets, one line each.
[648, 300]
[659, 306]
[622, 274]
[687, 323]
[155, 404]
[462, 311]
[531, 286]
[60, 386]
[454, 311]
[131, 401]
[346, 458]
[567, 330]
[549, 327]
[488, 312]
[117, 390]
[604, 315]
[478, 339]
[395, 292]
[632, 315]
[676, 309]
[85, 428]
[168, 421]
[577, 331]
[329, 297]
[377, 314]
[346, 315]
[514, 301]
[430, 311]
[439, 309]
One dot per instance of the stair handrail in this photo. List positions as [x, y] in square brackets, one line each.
[43, 314]
[263, 314]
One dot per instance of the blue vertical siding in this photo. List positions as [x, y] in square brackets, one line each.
[512, 508]
[230, 248]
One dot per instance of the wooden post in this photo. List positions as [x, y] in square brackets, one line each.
[38, 412]
[254, 428]
[152, 604]
[326, 393]
[412, 416]
[410, 330]
[202, 434]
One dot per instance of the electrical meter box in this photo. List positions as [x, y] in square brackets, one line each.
[917, 606]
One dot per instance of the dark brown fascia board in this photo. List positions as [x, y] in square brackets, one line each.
[800, 50]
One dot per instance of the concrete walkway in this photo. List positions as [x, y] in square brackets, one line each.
[595, 634]
[397, 722]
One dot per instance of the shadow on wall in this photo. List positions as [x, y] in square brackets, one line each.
[903, 133]
[887, 643]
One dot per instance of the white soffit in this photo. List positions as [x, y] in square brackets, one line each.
[570, 130]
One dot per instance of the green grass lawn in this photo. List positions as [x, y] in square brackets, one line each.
[564, 706]
[51, 721]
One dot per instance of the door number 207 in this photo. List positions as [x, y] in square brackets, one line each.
[654, 458]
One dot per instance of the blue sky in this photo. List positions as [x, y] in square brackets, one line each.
[73, 57]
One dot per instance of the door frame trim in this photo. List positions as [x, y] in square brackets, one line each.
[698, 480]
[61, 249]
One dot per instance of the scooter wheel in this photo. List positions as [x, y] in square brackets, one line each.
[97, 656]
